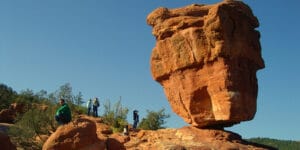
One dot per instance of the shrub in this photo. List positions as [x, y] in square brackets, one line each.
[115, 116]
[154, 120]
[35, 122]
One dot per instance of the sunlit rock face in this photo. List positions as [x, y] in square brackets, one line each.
[206, 58]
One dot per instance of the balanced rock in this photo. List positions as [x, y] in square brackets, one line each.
[206, 58]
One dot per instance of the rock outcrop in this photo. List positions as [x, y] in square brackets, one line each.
[189, 138]
[206, 58]
[88, 133]
[9, 115]
[78, 135]
[5, 142]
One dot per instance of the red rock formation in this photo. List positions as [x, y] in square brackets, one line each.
[80, 134]
[6, 143]
[87, 133]
[206, 58]
[190, 138]
[9, 115]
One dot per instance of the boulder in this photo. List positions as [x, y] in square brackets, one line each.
[6, 143]
[7, 116]
[206, 58]
[78, 135]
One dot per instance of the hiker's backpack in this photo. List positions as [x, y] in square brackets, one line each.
[96, 103]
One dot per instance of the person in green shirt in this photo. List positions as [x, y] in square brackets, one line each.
[63, 113]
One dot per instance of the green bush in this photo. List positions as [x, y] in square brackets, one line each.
[154, 120]
[280, 144]
[7, 95]
[115, 116]
[33, 123]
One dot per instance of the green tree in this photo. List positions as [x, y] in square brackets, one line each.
[7, 95]
[278, 144]
[78, 99]
[42, 94]
[65, 92]
[27, 96]
[154, 120]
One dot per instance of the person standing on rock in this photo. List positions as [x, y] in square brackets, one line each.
[96, 104]
[135, 119]
[63, 113]
[89, 106]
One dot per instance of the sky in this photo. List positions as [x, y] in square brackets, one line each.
[103, 47]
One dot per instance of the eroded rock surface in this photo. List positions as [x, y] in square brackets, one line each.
[6, 144]
[78, 135]
[88, 133]
[206, 58]
[189, 138]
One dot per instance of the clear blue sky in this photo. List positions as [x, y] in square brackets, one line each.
[103, 47]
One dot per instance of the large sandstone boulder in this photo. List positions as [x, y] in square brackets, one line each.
[206, 58]
[78, 135]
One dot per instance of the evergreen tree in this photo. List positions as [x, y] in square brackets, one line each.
[154, 120]
[7, 95]
[78, 99]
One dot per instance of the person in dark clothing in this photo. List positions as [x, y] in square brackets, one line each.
[96, 104]
[63, 113]
[135, 119]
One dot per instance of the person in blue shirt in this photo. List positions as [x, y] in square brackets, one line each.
[135, 119]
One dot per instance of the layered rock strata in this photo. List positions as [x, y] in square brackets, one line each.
[206, 58]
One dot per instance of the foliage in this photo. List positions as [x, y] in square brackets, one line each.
[154, 120]
[7, 94]
[35, 122]
[27, 97]
[280, 144]
[65, 92]
[77, 109]
[78, 100]
[115, 116]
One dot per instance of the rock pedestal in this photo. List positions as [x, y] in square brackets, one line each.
[206, 58]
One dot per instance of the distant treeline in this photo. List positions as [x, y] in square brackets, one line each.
[8, 96]
[279, 144]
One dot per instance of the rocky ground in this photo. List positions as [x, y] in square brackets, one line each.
[5, 142]
[88, 133]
